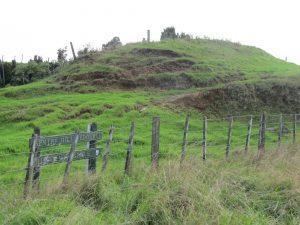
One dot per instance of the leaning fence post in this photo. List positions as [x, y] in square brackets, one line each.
[294, 128]
[204, 137]
[107, 150]
[70, 157]
[262, 135]
[33, 145]
[91, 162]
[185, 141]
[280, 128]
[248, 137]
[128, 163]
[155, 142]
[36, 169]
[229, 138]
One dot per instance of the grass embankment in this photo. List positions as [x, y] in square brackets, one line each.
[239, 191]
[175, 64]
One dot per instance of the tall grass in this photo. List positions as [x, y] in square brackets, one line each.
[239, 191]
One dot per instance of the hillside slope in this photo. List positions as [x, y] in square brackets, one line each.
[175, 64]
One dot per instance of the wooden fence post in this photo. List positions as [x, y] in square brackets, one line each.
[249, 130]
[262, 135]
[280, 129]
[36, 169]
[294, 128]
[204, 144]
[91, 163]
[70, 158]
[107, 150]
[73, 52]
[128, 163]
[185, 141]
[155, 142]
[33, 145]
[229, 138]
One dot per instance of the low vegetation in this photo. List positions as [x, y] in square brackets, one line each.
[238, 191]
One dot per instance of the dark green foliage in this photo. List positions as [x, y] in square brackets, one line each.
[62, 55]
[113, 44]
[168, 33]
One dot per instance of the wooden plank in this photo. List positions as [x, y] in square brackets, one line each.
[63, 157]
[248, 137]
[294, 128]
[229, 136]
[128, 163]
[91, 162]
[155, 143]
[204, 143]
[67, 139]
[280, 129]
[30, 165]
[70, 158]
[107, 150]
[185, 141]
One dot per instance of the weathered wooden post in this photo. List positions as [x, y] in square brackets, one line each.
[33, 145]
[185, 141]
[128, 163]
[294, 128]
[248, 137]
[229, 136]
[91, 163]
[148, 35]
[36, 169]
[280, 129]
[70, 157]
[204, 143]
[262, 135]
[73, 52]
[107, 150]
[155, 142]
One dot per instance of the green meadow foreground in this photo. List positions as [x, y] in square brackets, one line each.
[137, 82]
[241, 191]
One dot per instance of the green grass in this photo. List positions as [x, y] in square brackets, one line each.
[240, 191]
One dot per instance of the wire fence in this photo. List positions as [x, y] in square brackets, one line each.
[171, 145]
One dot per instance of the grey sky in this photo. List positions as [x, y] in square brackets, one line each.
[42, 26]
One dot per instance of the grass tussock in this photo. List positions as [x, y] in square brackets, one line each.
[238, 191]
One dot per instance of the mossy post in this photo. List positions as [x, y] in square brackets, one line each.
[33, 148]
[280, 129]
[91, 163]
[294, 128]
[204, 143]
[229, 136]
[262, 135]
[128, 163]
[70, 158]
[107, 149]
[248, 137]
[155, 143]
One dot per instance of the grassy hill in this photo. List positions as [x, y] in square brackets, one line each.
[135, 83]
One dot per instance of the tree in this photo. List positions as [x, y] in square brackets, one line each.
[168, 33]
[38, 59]
[88, 48]
[114, 43]
[62, 55]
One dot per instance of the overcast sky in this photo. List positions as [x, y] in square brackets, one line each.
[40, 27]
